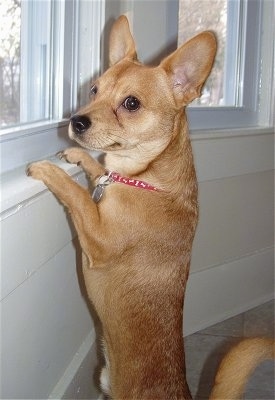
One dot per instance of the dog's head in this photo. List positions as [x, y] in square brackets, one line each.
[134, 109]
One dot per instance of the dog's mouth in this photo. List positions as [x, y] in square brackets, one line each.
[92, 143]
[107, 147]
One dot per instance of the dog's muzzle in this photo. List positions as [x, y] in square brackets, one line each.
[80, 124]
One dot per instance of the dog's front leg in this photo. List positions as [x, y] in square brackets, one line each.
[75, 197]
[59, 182]
[75, 155]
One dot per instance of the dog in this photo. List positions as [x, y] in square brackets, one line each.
[137, 227]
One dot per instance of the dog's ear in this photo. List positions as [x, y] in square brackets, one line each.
[190, 65]
[121, 41]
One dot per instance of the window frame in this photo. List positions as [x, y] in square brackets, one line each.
[256, 110]
[27, 142]
[32, 82]
[256, 73]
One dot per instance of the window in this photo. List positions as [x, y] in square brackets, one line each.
[52, 51]
[49, 52]
[232, 94]
[196, 16]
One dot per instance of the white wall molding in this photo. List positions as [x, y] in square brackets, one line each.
[223, 291]
[228, 153]
[44, 321]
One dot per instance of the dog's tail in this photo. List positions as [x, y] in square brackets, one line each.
[238, 365]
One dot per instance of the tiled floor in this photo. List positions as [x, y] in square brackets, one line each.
[205, 349]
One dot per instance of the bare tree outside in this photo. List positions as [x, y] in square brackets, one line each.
[10, 22]
[196, 16]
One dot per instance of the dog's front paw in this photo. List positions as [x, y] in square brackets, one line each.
[41, 170]
[73, 155]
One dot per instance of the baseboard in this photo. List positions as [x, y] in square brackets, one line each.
[68, 381]
[215, 319]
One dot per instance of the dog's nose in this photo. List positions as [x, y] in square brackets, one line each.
[80, 123]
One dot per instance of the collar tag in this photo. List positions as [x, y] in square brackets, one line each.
[103, 181]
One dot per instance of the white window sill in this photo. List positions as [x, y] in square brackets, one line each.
[17, 189]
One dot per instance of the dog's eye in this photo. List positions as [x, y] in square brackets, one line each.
[93, 90]
[131, 103]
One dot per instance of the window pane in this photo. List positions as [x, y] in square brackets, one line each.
[36, 47]
[219, 16]
[10, 21]
[28, 68]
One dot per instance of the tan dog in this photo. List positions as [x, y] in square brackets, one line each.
[137, 241]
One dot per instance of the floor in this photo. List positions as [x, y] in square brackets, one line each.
[205, 348]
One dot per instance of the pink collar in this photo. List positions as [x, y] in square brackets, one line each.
[114, 177]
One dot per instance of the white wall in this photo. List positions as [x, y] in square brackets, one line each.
[47, 329]
[44, 315]
[233, 254]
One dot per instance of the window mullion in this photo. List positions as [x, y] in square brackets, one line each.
[251, 72]
[35, 48]
[89, 54]
[267, 90]
[232, 61]
[57, 59]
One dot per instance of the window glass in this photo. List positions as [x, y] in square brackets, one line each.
[32, 33]
[10, 22]
[221, 17]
